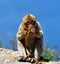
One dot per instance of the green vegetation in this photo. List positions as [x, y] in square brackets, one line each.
[51, 53]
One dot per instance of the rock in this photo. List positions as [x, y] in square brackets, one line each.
[10, 57]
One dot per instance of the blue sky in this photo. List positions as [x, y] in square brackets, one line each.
[46, 11]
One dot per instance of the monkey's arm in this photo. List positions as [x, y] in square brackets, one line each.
[21, 32]
[39, 33]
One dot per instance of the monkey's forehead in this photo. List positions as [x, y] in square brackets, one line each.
[28, 17]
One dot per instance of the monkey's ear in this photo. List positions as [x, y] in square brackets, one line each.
[23, 20]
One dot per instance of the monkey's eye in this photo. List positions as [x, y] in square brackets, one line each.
[33, 22]
[26, 24]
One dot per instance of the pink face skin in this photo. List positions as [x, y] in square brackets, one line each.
[30, 24]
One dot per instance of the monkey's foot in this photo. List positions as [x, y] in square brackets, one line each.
[23, 59]
[31, 60]
[34, 60]
[20, 58]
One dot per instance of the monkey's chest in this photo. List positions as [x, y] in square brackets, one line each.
[31, 40]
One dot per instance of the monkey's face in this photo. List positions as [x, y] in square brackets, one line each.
[30, 24]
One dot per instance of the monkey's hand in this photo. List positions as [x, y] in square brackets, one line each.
[25, 32]
[34, 33]
[39, 35]
[21, 34]
[33, 30]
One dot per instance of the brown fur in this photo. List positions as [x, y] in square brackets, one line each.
[30, 43]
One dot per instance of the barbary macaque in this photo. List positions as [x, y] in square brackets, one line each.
[30, 38]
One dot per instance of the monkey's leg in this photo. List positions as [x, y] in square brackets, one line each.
[21, 49]
[27, 44]
[28, 53]
[38, 48]
[27, 49]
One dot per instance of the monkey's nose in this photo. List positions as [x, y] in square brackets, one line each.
[30, 26]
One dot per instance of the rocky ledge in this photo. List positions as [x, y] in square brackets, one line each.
[10, 57]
